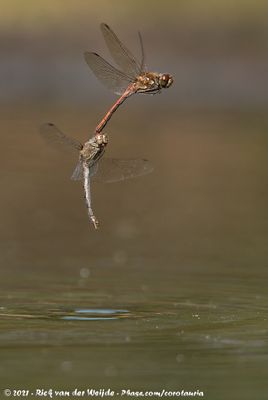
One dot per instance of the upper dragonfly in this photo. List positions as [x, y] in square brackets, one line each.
[130, 78]
[92, 165]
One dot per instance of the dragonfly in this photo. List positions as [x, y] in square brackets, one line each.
[131, 77]
[91, 165]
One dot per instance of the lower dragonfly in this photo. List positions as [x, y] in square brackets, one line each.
[91, 165]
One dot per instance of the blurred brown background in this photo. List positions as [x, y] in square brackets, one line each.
[206, 201]
[217, 50]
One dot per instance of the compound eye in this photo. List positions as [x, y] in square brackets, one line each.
[166, 80]
[99, 139]
[105, 139]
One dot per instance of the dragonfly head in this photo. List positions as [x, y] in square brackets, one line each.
[101, 139]
[165, 80]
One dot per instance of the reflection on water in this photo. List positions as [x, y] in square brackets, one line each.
[96, 315]
[68, 315]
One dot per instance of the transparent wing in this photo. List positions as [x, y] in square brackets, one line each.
[110, 170]
[121, 55]
[142, 64]
[53, 136]
[77, 174]
[111, 77]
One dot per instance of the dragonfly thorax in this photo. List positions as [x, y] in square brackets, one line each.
[147, 82]
[152, 82]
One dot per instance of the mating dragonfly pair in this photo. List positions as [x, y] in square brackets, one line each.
[131, 78]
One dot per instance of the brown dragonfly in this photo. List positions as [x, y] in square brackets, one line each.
[91, 165]
[130, 78]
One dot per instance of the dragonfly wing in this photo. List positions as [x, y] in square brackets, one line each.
[114, 170]
[111, 77]
[53, 136]
[93, 169]
[142, 63]
[121, 55]
[77, 174]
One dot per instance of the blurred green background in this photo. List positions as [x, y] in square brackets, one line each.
[183, 249]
